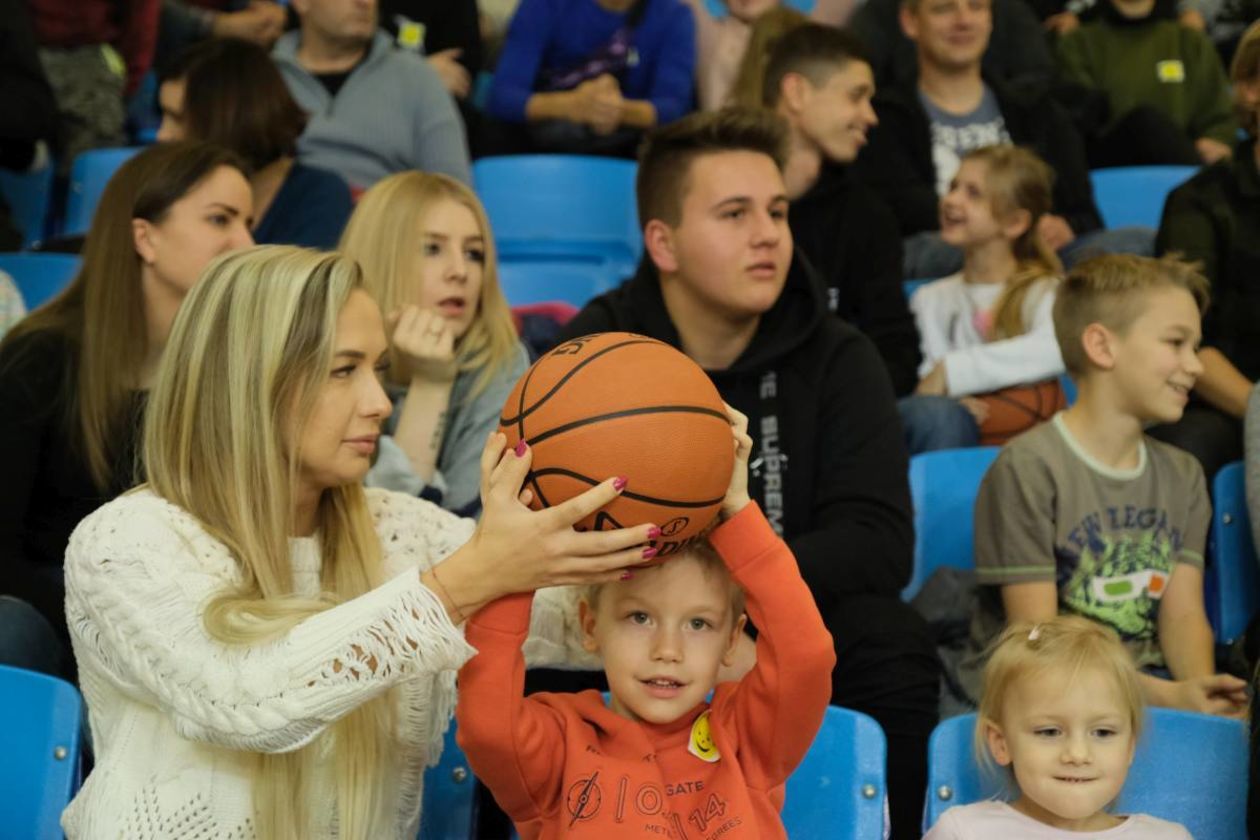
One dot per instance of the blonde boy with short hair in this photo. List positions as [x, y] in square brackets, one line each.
[1087, 514]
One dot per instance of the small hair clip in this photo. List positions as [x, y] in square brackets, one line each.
[1035, 633]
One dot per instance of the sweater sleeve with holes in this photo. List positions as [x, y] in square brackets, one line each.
[176, 714]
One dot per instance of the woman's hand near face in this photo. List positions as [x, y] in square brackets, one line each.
[425, 343]
[515, 549]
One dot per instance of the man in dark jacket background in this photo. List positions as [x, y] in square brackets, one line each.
[949, 108]
[829, 468]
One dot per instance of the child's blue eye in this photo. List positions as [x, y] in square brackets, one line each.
[1105, 732]
[638, 617]
[1046, 732]
[699, 624]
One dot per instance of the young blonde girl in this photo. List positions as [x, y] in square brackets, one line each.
[1062, 711]
[428, 259]
[989, 327]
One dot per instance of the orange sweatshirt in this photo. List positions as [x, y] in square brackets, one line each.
[565, 765]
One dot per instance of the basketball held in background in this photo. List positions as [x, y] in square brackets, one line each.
[620, 404]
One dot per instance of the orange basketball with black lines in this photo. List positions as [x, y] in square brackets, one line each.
[620, 404]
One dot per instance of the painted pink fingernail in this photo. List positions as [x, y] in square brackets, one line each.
[520, 448]
[627, 575]
[620, 483]
[653, 532]
[649, 553]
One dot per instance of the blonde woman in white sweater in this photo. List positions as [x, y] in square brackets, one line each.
[989, 327]
[267, 649]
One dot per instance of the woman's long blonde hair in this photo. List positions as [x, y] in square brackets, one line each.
[101, 313]
[382, 237]
[248, 352]
[1017, 179]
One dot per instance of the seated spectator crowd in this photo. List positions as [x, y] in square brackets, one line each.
[259, 512]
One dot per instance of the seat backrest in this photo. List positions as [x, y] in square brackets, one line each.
[1232, 584]
[943, 487]
[561, 206]
[525, 281]
[838, 790]
[1189, 768]
[29, 196]
[89, 174]
[39, 746]
[39, 277]
[448, 811]
[1134, 195]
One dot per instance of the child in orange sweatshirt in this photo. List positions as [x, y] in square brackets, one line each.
[659, 760]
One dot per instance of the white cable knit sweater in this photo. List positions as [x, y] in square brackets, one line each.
[175, 713]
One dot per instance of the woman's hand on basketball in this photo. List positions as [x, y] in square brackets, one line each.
[737, 491]
[524, 550]
[425, 343]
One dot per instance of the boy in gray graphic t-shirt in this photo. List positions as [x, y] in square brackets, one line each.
[1088, 515]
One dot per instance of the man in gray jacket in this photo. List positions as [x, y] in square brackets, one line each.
[374, 110]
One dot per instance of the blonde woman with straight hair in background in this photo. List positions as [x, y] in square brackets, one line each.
[267, 649]
[428, 259]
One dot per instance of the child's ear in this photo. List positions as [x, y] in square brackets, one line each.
[1016, 224]
[1099, 345]
[728, 658]
[997, 743]
[586, 618]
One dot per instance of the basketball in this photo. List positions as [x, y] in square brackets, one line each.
[619, 404]
[1017, 409]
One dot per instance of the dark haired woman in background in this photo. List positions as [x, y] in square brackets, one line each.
[229, 92]
[74, 373]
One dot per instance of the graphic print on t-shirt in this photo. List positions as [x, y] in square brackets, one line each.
[1115, 567]
[954, 135]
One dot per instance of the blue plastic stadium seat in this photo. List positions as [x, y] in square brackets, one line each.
[39, 277]
[89, 174]
[943, 487]
[29, 196]
[561, 207]
[1232, 584]
[448, 812]
[526, 281]
[1189, 768]
[39, 752]
[838, 790]
[1134, 195]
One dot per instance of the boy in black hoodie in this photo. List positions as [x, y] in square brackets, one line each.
[829, 467]
[819, 81]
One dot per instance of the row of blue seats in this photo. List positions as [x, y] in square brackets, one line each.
[577, 219]
[837, 791]
[943, 488]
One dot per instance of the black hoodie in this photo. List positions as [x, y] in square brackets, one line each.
[851, 238]
[830, 464]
